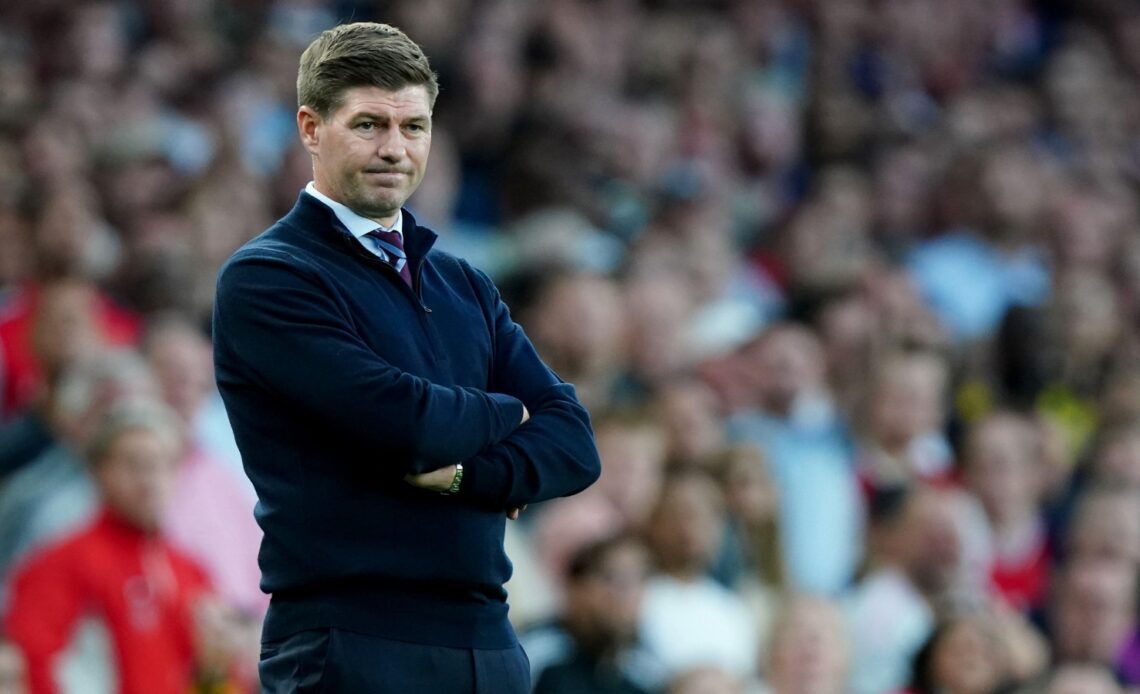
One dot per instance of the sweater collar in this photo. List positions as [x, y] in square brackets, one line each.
[310, 215]
[356, 224]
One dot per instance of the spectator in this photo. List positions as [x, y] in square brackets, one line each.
[576, 320]
[47, 327]
[994, 245]
[61, 332]
[210, 514]
[1092, 616]
[1105, 525]
[751, 559]
[53, 494]
[914, 558]
[793, 422]
[119, 567]
[1002, 469]
[694, 429]
[658, 308]
[632, 449]
[904, 440]
[810, 649]
[964, 655]
[594, 646]
[690, 620]
[849, 328]
[754, 512]
[1116, 460]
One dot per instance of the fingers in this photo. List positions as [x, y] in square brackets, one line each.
[513, 514]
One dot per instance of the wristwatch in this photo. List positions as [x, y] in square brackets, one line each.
[456, 481]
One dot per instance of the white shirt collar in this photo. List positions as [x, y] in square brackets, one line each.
[358, 226]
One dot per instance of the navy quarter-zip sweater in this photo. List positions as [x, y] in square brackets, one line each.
[339, 380]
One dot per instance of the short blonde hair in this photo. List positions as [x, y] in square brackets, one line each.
[134, 414]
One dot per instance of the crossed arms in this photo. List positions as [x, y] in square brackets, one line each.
[291, 337]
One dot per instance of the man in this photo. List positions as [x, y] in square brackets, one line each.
[53, 495]
[593, 647]
[209, 515]
[916, 557]
[119, 570]
[1092, 615]
[810, 647]
[380, 395]
[792, 419]
[688, 620]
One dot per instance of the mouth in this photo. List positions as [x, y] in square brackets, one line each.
[385, 178]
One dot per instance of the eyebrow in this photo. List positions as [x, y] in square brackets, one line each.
[369, 115]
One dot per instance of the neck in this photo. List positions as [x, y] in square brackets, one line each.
[1015, 536]
[597, 645]
[896, 447]
[125, 524]
[324, 189]
[685, 573]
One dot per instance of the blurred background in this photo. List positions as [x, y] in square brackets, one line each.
[850, 287]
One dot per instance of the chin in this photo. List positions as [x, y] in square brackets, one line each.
[147, 522]
[376, 206]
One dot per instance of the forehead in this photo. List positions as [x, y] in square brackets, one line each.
[406, 102]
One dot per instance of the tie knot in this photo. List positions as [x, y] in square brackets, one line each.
[389, 237]
[392, 244]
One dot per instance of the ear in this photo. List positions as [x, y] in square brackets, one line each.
[308, 125]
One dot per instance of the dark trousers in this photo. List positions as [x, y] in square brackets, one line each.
[334, 661]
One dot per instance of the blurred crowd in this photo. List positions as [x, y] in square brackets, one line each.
[850, 287]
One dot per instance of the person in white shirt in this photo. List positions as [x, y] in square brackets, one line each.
[688, 619]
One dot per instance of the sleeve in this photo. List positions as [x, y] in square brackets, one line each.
[45, 604]
[553, 454]
[279, 328]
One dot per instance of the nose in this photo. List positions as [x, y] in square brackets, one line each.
[392, 146]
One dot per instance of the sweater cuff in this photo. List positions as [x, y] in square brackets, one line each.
[485, 483]
[510, 414]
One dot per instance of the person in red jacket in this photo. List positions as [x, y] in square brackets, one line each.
[119, 569]
[46, 326]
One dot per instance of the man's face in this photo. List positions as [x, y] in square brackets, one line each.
[136, 476]
[933, 546]
[607, 604]
[182, 364]
[371, 153]
[1093, 610]
[686, 527]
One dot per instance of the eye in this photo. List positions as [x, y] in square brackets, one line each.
[416, 127]
[366, 126]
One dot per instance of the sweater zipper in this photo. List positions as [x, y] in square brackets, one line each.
[387, 267]
[417, 287]
[417, 280]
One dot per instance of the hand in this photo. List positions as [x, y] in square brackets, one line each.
[435, 481]
[513, 514]
[216, 635]
[526, 416]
